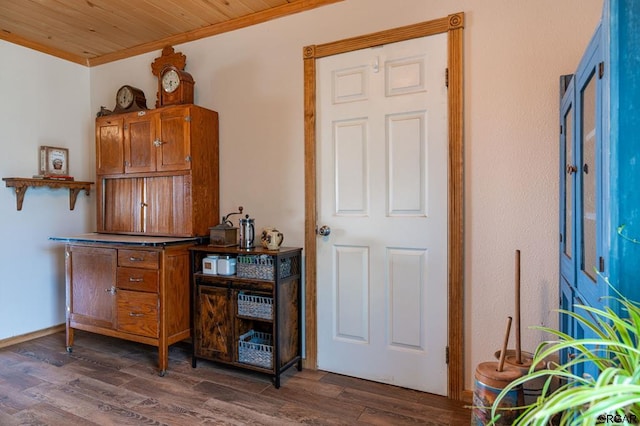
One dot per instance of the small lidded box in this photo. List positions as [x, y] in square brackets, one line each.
[223, 235]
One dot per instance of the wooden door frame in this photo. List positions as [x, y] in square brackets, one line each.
[453, 25]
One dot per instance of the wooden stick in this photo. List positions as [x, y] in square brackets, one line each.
[503, 352]
[518, 338]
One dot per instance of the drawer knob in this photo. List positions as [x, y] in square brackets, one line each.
[135, 280]
[135, 314]
[136, 259]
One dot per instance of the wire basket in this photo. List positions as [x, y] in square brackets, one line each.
[256, 348]
[255, 306]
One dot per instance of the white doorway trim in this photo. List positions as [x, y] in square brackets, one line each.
[453, 25]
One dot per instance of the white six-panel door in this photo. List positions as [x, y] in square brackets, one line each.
[382, 162]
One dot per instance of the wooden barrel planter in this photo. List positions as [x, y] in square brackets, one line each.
[489, 382]
[531, 389]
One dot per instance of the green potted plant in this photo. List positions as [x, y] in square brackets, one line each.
[613, 397]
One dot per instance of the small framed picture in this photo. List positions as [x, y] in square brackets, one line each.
[54, 161]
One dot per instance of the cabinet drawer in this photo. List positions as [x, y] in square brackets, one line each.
[137, 279]
[139, 258]
[138, 313]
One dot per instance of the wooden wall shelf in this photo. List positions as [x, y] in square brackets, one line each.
[21, 185]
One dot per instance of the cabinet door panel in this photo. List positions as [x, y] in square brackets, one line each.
[138, 313]
[109, 146]
[175, 135]
[168, 205]
[586, 370]
[139, 135]
[212, 324]
[568, 173]
[122, 205]
[590, 230]
[566, 322]
[177, 290]
[288, 325]
[589, 171]
[91, 277]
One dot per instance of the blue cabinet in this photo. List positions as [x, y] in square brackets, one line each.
[599, 252]
[582, 177]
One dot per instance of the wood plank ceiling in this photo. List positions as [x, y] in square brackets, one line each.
[94, 32]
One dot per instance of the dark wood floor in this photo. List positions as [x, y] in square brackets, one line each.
[107, 381]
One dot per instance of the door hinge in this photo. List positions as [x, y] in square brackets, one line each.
[601, 264]
[600, 69]
[446, 355]
[561, 129]
[446, 77]
[561, 238]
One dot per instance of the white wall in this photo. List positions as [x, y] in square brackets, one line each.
[43, 101]
[514, 54]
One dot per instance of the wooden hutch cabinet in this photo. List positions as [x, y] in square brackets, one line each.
[251, 319]
[157, 186]
[157, 171]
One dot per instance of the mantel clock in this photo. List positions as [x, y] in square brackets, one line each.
[175, 85]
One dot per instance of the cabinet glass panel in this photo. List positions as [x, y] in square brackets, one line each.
[589, 231]
[569, 168]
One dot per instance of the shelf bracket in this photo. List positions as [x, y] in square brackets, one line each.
[20, 191]
[22, 184]
[73, 195]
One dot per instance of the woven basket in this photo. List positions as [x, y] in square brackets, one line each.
[256, 348]
[261, 267]
[255, 306]
[255, 267]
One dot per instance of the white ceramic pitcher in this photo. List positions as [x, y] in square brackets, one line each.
[274, 239]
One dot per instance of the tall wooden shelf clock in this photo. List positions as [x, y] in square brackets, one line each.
[175, 85]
